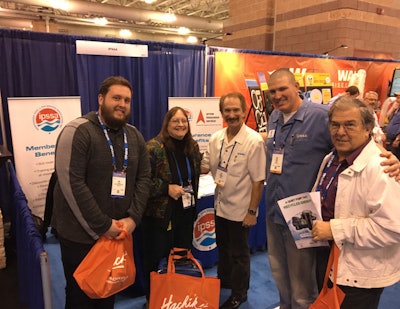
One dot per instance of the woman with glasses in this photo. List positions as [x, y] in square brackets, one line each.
[171, 209]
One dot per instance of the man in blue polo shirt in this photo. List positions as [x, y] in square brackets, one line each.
[298, 139]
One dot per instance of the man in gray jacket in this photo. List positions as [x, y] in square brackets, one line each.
[103, 182]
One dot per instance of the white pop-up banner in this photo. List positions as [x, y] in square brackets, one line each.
[35, 125]
[204, 117]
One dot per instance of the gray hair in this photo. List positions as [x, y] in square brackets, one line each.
[372, 92]
[344, 103]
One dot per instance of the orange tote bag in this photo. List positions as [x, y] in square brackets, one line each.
[330, 298]
[108, 268]
[174, 290]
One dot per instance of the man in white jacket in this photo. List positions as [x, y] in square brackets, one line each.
[359, 205]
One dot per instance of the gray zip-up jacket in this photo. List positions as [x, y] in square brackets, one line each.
[83, 205]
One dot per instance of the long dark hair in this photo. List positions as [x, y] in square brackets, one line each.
[188, 141]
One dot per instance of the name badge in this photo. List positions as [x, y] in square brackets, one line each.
[188, 198]
[277, 161]
[220, 176]
[118, 185]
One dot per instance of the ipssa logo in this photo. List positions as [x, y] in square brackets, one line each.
[47, 119]
[204, 231]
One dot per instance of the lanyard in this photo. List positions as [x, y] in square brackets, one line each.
[179, 171]
[230, 155]
[325, 172]
[114, 162]
[287, 135]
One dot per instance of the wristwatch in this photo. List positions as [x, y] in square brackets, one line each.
[252, 212]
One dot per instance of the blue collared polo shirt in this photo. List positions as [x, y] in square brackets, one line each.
[305, 140]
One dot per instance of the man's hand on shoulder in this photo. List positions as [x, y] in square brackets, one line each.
[392, 164]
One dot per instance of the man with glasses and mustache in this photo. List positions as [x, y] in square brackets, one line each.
[359, 204]
[103, 183]
[297, 141]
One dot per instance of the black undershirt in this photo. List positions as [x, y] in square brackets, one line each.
[181, 160]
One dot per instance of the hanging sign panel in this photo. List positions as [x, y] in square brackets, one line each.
[111, 49]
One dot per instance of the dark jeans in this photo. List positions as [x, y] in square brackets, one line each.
[360, 298]
[234, 255]
[72, 254]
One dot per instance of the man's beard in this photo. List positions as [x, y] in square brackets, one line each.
[110, 120]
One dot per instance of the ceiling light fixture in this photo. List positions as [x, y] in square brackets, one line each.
[183, 30]
[101, 21]
[192, 39]
[59, 4]
[125, 33]
[169, 16]
[338, 47]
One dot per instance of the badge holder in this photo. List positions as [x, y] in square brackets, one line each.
[220, 176]
[188, 197]
[277, 162]
[118, 185]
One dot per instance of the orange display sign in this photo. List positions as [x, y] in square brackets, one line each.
[232, 70]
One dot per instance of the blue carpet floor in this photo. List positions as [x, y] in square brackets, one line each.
[262, 294]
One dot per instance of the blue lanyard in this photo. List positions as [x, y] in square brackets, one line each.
[114, 161]
[230, 155]
[179, 171]
[325, 172]
[287, 135]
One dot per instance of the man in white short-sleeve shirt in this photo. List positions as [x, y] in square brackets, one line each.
[237, 161]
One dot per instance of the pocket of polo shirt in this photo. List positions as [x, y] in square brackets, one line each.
[238, 165]
[300, 150]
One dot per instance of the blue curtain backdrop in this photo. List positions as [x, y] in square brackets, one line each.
[170, 70]
[35, 64]
[44, 65]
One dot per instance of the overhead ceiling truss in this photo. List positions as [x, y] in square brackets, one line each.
[203, 17]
